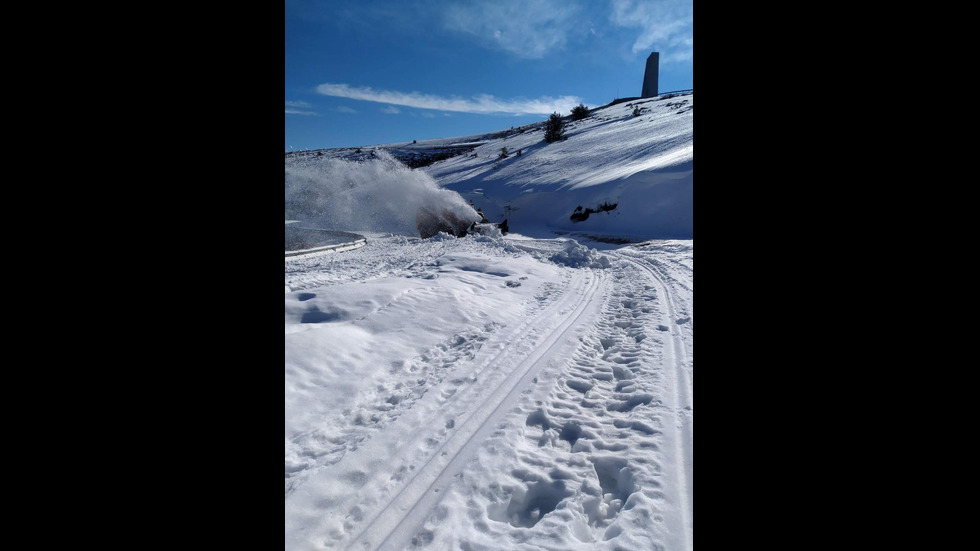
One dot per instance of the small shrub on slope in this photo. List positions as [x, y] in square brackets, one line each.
[579, 112]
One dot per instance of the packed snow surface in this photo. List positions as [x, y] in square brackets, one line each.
[490, 393]
[525, 391]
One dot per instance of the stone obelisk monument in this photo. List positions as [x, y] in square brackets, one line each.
[650, 76]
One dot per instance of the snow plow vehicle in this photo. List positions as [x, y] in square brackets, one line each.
[430, 223]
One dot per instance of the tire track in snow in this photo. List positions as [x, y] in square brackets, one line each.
[590, 434]
[400, 519]
[584, 446]
[380, 406]
[590, 452]
[675, 356]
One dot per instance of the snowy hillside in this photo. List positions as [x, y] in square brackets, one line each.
[643, 164]
[529, 391]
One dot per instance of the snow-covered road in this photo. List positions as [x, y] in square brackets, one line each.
[488, 393]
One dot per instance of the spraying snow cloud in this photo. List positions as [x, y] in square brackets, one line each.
[483, 103]
[380, 195]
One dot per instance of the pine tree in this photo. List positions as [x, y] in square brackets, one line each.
[554, 130]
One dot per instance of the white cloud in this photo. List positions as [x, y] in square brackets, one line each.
[298, 108]
[391, 110]
[666, 26]
[345, 109]
[525, 28]
[483, 103]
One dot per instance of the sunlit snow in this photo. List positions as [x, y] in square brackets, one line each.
[529, 391]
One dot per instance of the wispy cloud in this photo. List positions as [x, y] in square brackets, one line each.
[524, 28]
[391, 110]
[345, 109]
[298, 108]
[482, 104]
[667, 25]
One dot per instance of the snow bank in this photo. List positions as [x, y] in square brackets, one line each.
[381, 325]
[579, 256]
[563, 252]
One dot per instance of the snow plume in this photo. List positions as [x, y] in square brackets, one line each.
[380, 195]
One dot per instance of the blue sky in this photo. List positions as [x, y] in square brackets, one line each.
[371, 72]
